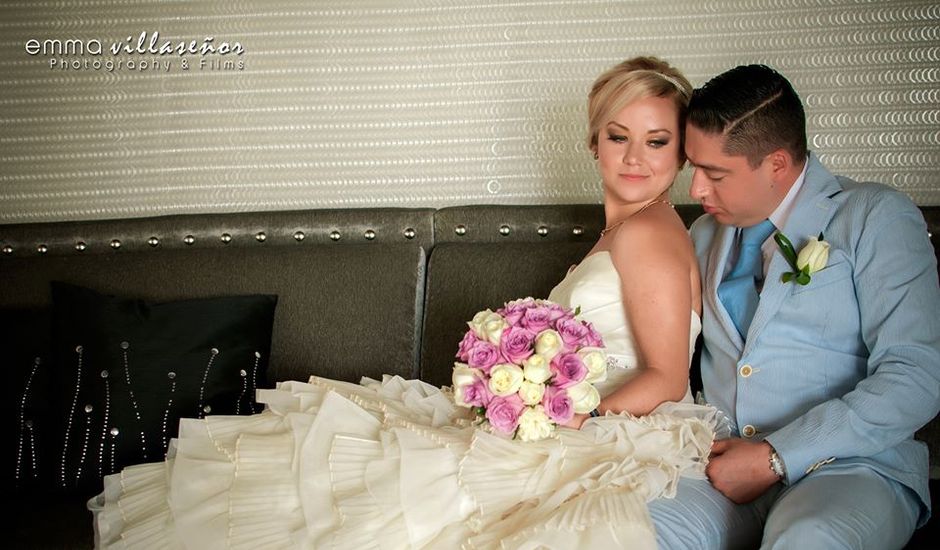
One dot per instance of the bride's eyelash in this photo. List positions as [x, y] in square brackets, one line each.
[657, 143]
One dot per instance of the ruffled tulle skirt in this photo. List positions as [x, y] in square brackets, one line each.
[395, 464]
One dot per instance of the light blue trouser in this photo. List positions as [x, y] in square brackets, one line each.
[828, 509]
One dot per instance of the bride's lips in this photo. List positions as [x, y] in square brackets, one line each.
[632, 177]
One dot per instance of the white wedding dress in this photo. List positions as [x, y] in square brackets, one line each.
[395, 464]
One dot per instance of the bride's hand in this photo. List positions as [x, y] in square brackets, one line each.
[576, 421]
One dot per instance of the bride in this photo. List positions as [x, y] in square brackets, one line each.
[395, 464]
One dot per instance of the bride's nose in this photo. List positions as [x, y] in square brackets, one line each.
[633, 153]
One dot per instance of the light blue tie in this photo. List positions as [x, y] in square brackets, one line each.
[738, 292]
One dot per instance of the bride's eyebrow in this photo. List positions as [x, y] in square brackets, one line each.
[653, 131]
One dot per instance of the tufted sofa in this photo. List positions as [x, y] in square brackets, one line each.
[361, 292]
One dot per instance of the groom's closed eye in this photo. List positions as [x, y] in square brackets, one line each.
[710, 175]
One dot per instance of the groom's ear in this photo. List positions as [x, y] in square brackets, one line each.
[780, 163]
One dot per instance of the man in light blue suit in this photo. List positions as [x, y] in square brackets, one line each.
[825, 382]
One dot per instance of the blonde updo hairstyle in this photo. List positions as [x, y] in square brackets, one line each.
[634, 79]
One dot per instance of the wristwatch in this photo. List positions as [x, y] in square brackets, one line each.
[776, 465]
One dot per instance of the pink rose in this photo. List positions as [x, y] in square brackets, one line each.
[556, 312]
[513, 315]
[463, 350]
[536, 319]
[558, 405]
[483, 355]
[573, 332]
[516, 344]
[569, 369]
[513, 311]
[477, 394]
[594, 339]
[519, 305]
[503, 412]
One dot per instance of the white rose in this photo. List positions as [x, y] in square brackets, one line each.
[534, 424]
[494, 327]
[488, 326]
[505, 379]
[814, 255]
[548, 343]
[531, 393]
[536, 369]
[462, 377]
[476, 324]
[596, 362]
[584, 397]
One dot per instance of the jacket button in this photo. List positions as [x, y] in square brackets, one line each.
[748, 431]
[746, 371]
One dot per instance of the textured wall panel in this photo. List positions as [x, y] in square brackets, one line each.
[422, 102]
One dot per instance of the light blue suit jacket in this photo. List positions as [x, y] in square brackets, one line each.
[844, 369]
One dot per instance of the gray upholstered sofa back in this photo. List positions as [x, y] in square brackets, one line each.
[361, 291]
[350, 282]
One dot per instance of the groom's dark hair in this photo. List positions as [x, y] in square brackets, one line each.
[757, 111]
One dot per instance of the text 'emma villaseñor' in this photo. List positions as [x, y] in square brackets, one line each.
[145, 44]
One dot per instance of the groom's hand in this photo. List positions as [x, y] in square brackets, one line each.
[740, 469]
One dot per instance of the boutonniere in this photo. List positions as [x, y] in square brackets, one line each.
[811, 258]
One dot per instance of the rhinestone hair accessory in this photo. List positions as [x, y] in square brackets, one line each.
[675, 83]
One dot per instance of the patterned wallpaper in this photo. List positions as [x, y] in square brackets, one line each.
[342, 103]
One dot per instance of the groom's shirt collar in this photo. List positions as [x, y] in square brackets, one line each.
[778, 217]
[781, 214]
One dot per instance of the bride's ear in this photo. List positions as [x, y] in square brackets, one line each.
[594, 150]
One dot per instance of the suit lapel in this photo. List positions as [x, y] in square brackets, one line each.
[811, 213]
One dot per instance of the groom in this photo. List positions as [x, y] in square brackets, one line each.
[826, 381]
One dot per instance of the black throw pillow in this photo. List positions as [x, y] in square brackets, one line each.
[126, 371]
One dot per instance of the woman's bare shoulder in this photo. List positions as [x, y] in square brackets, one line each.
[657, 235]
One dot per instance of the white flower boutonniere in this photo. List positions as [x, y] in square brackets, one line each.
[811, 258]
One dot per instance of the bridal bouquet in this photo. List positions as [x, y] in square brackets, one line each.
[529, 366]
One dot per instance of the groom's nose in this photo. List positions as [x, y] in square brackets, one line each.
[700, 185]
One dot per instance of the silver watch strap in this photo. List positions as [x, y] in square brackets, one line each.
[776, 465]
